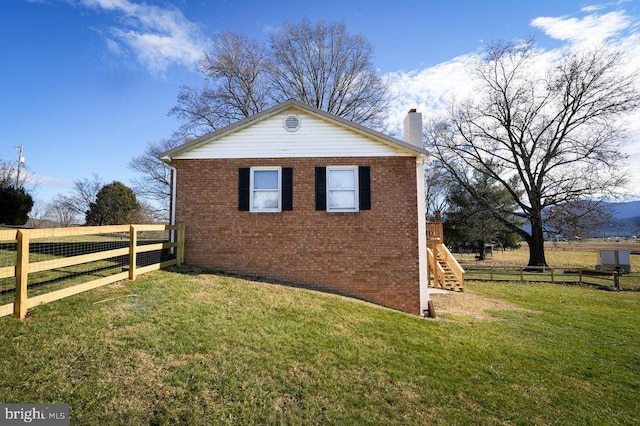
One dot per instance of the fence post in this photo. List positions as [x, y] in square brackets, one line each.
[491, 272]
[521, 274]
[22, 275]
[180, 254]
[552, 275]
[580, 276]
[133, 242]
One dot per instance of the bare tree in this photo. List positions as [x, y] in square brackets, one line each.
[556, 131]
[236, 87]
[321, 65]
[154, 181]
[437, 183]
[71, 208]
[9, 175]
[575, 219]
[325, 67]
[61, 214]
[146, 213]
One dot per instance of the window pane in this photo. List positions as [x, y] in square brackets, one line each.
[266, 199]
[342, 199]
[342, 179]
[265, 179]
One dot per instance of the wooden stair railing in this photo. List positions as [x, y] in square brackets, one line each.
[437, 272]
[444, 270]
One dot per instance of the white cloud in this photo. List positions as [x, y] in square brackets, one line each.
[427, 90]
[430, 89]
[157, 36]
[592, 29]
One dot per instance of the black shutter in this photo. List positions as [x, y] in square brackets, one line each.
[244, 177]
[364, 187]
[321, 188]
[287, 189]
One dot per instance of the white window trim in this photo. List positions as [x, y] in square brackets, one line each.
[252, 190]
[356, 183]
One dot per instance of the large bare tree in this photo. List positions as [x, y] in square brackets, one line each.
[319, 64]
[556, 132]
[236, 86]
[324, 66]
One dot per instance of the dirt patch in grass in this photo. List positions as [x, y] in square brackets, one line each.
[471, 305]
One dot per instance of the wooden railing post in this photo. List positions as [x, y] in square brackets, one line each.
[22, 275]
[432, 244]
[180, 253]
[133, 242]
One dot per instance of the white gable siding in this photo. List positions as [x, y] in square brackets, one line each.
[314, 138]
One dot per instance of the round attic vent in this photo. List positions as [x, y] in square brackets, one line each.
[292, 123]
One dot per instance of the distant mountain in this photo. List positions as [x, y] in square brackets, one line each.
[626, 210]
[625, 222]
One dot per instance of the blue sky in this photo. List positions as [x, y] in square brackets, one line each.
[87, 84]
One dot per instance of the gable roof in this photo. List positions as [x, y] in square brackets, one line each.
[291, 103]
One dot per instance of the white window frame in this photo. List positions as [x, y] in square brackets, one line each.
[253, 190]
[356, 207]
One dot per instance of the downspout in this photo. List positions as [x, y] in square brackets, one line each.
[174, 176]
[172, 209]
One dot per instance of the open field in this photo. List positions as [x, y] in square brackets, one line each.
[182, 347]
[560, 254]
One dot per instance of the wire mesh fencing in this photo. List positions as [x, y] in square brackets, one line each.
[110, 251]
[8, 244]
[41, 265]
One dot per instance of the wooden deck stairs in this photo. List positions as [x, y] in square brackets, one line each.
[444, 270]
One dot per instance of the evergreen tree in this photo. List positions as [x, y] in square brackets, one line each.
[15, 205]
[114, 205]
[481, 217]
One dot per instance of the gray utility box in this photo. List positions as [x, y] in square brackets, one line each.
[611, 260]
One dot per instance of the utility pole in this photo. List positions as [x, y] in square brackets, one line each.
[20, 162]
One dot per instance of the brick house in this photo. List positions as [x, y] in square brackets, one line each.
[298, 195]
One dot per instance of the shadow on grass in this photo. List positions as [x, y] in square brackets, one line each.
[195, 271]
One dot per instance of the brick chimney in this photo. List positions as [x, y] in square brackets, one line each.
[413, 128]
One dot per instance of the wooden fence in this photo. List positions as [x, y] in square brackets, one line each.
[16, 246]
[541, 274]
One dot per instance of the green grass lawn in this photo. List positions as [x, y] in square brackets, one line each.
[187, 348]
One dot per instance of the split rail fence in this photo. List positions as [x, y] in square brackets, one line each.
[39, 266]
[547, 274]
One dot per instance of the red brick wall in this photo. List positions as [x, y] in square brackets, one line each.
[372, 254]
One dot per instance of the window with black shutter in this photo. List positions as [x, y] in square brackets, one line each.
[265, 189]
[343, 188]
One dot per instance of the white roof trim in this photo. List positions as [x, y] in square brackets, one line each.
[210, 137]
